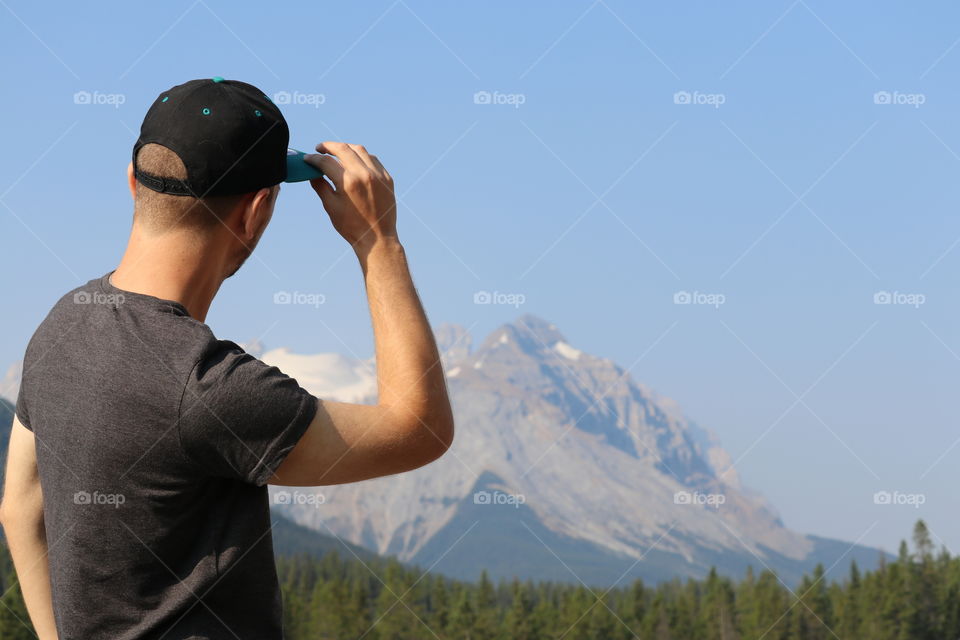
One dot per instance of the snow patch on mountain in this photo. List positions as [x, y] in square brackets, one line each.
[10, 384]
[567, 351]
[328, 375]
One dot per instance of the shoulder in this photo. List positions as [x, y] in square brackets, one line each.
[225, 361]
[227, 379]
[60, 316]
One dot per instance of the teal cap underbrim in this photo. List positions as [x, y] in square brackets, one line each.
[299, 169]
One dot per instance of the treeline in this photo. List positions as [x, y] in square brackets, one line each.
[915, 597]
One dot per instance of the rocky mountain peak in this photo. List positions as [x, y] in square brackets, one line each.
[454, 343]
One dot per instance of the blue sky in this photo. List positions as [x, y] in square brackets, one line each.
[795, 158]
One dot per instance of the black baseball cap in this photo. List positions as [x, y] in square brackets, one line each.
[230, 136]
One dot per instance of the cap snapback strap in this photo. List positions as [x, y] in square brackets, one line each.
[172, 186]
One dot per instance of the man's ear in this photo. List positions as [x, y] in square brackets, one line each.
[131, 181]
[258, 212]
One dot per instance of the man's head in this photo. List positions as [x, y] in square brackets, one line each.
[207, 166]
[232, 223]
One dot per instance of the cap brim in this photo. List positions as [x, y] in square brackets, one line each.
[299, 169]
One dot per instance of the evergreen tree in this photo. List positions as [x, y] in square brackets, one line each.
[463, 616]
[520, 623]
[915, 597]
[397, 616]
[14, 622]
[487, 608]
[849, 606]
[927, 620]
[601, 622]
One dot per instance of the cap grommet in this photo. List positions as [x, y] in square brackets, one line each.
[257, 113]
[165, 98]
[206, 111]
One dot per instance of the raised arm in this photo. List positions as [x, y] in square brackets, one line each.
[21, 513]
[412, 423]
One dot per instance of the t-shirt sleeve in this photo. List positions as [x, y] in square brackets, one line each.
[21, 408]
[239, 417]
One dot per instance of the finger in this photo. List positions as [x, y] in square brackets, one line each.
[382, 169]
[329, 165]
[343, 152]
[364, 155]
[323, 189]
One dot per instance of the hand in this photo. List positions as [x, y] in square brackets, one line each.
[361, 203]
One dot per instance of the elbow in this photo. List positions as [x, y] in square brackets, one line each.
[20, 516]
[443, 426]
[443, 436]
[430, 437]
[8, 516]
[437, 437]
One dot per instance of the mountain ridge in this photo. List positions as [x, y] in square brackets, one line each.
[597, 465]
[601, 461]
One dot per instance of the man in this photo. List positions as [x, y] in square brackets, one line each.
[135, 501]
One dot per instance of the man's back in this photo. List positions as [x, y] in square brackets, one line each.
[154, 445]
[134, 498]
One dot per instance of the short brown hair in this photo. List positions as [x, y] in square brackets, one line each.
[160, 212]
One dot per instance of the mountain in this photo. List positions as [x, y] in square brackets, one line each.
[563, 468]
[291, 539]
[10, 383]
[6, 422]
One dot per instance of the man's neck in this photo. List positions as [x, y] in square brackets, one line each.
[171, 267]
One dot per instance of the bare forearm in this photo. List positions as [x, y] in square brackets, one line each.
[412, 423]
[410, 377]
[28, 547]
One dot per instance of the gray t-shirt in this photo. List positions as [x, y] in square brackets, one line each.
[155, 442]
